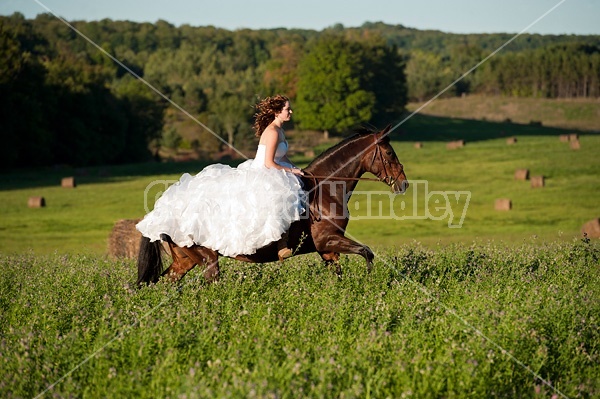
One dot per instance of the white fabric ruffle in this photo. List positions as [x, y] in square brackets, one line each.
[231, 210]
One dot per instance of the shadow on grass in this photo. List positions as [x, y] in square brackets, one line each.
[52, 176]
[435, 128]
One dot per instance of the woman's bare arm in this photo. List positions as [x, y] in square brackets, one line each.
[270, 139]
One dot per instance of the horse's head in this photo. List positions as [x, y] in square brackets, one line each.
[381, 160]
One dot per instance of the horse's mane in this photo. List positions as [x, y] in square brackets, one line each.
[359, 134]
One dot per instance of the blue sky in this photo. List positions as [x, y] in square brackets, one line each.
[458, 16]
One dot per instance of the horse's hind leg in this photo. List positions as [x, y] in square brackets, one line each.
[205, 256]
[182, 263]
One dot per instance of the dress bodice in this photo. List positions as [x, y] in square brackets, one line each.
[259, 159]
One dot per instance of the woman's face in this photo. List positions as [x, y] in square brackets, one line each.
[286, 112]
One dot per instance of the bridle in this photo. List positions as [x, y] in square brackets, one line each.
[387, 179]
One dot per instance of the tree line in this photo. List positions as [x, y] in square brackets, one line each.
[65, 102]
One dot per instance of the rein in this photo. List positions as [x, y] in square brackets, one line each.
[307, 174]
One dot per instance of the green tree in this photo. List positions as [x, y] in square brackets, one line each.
[170, 138]
[462, 58]
[230, 106]
[144, 115]
[330, 96]
[281, 75]
[26, 134]
[384, 76]
[426, 75]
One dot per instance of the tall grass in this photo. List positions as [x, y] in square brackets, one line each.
[484, 320]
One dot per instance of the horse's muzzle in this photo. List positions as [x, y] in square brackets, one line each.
[400, 186]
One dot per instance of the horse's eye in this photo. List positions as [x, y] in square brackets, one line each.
[388, 152]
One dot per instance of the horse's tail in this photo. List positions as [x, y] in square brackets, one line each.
[149, 262]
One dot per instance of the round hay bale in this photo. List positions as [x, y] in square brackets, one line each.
[455, 144]
[503, 204]
[522, 174]
[573, 137]
[68, 182]
[537, 181]
[575, 145]
[36, 202]
[511, 140]
[418, 145]
[124, 239]
[592, 228]
[564, 138]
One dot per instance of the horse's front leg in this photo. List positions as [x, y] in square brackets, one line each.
[338, 243]
[332, 258]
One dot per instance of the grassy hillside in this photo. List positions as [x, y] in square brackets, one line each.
[579, 114]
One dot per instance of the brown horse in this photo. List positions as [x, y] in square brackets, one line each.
[329, 181]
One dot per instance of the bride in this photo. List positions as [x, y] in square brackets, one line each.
[236, 211]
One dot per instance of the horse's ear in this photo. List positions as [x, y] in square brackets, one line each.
[383, 135]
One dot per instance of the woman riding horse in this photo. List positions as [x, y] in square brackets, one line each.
[329, 181]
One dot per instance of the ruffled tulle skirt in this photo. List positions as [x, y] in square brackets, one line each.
[231, 210]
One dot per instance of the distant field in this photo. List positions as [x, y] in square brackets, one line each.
[580, 114]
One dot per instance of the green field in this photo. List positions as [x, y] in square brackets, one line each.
[474, 321]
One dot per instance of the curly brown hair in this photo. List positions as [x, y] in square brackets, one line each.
[266, 110]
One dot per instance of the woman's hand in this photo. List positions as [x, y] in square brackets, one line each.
[297, 171]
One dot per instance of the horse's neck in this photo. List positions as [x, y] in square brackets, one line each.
[345, 162]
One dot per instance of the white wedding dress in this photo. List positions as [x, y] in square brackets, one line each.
[230, 210]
